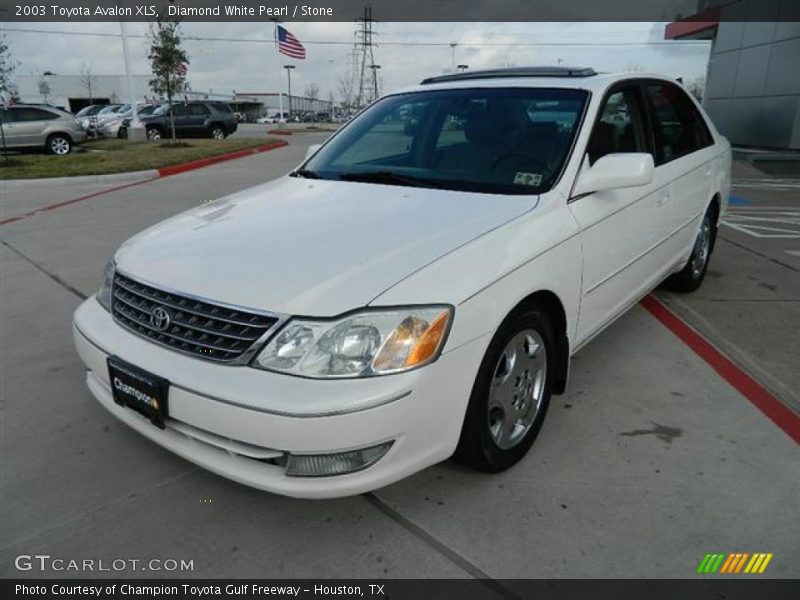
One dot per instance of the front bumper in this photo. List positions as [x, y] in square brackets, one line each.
[221, 416]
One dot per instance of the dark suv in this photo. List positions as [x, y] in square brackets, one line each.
[192, 119]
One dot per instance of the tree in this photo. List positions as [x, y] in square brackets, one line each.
[88, 80]
[168, 61]
[346, 93]
[311, 92]
[697, 88]
[7, 67]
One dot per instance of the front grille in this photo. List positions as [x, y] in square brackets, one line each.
[202, 329]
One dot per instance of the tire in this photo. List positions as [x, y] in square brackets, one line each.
[511, 393]
[153, 134]
[217, 132]
[59, 144]
[691, 276]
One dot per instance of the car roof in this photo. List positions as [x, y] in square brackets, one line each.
[531, 77]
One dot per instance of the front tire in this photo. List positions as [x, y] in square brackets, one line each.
[691, 276]
[217, 132]
[511, 393]
[59, 144]
[153, 134]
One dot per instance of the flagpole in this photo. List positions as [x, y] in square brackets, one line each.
[280, 93]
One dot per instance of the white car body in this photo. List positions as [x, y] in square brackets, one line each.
[322, 248]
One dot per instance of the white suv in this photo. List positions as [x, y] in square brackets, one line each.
[416, 288]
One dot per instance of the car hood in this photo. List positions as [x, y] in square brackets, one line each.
[311, 247]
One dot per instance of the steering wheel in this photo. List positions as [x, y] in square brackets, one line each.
[540, 165]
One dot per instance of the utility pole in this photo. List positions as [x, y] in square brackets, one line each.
[365, 58]
[289, 77]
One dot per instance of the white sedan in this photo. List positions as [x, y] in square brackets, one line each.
[415, 289]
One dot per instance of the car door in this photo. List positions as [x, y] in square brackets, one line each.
[180, 114]
[622, 229]
[684, 156]
[196, 118]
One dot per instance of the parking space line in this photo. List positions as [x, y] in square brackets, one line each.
[762, 399]
[40, 268]
[49, 207]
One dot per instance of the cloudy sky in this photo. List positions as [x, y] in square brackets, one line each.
[252, 64]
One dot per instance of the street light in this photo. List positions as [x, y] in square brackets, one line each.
[463, 68]
[375, 79]
[289, 77]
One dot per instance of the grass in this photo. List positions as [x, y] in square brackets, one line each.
[118, 156]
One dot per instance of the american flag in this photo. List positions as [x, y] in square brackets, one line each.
[181, 69]
[290, 45]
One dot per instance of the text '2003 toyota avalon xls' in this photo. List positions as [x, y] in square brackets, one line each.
[415, 289]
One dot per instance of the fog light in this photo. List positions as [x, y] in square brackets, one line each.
[339, 463]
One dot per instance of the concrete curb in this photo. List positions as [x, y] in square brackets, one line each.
[150, 174]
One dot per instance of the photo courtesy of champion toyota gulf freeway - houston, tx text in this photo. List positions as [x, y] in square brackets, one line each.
[415, 289]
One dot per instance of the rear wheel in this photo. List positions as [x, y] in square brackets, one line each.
[511, 393]
[59, 143]
[691, 276]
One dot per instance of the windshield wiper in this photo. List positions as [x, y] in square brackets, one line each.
[305, 173]
[388, 177]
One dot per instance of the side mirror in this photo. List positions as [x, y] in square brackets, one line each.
[614, 171]
[312, 150]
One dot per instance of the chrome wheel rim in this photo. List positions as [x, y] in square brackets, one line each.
[702, 246]
[59, 146]
[517, 390]
[153, 135]
[218, 134]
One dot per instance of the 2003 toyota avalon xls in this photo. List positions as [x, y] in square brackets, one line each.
[413, 290]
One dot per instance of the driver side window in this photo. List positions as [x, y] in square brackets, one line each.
[618, 128]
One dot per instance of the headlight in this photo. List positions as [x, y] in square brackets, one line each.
[104, 293]
[373, 342]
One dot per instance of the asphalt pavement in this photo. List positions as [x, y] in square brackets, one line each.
[648, 462]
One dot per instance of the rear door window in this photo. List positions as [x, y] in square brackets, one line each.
[678, 127]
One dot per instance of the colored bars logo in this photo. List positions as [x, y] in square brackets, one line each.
[734, 563]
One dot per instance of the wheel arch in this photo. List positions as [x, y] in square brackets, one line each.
[554, 307]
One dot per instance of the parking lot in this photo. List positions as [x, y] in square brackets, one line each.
[649, 461]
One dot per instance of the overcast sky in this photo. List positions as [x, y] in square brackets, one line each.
[223, 66]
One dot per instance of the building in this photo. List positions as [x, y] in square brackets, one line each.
[71, 92]
[272, 102]
[753, 84]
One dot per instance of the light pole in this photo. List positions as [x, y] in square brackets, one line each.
[375, 79]
[453, 56]
[289, 78]
[463, 68]
[135, 130]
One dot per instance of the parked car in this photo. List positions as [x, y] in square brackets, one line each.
[119, 127]
[39, 126]
[87, 116]
[192, 119]
[405, 295]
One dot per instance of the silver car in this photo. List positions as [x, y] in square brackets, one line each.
[53, 129]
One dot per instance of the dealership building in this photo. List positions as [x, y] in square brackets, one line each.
[753, 80]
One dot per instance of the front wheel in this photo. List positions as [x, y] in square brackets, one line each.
[59, 144]
[691, 276]
[153, 134]
[217, 133]
[511, 393]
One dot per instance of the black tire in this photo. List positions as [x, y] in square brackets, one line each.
[59, 144]
[154, 134]
[217, 132]
[691, 276]
[477, 446]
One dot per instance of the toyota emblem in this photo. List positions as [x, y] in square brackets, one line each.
[160, 318]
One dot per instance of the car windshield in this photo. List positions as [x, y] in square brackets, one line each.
[88, 111]
[111, 108]
[496, 140]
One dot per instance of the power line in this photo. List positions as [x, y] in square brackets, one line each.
[383, 43]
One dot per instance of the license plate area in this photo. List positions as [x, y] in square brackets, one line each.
[139, 390]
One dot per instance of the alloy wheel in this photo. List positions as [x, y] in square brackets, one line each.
[518, 387]
[59, 145]
[702, 248]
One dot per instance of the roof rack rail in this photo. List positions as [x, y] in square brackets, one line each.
[513, 72]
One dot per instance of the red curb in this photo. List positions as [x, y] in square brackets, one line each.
[212, 160]
[164, 172]
[763, 400]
